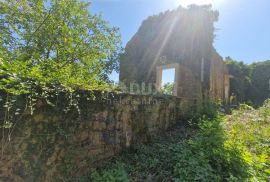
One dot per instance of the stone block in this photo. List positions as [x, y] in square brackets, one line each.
[97, 150]
[96, 138]
[84, 135]
[98, 126]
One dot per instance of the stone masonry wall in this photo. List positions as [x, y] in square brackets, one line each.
[58, 142]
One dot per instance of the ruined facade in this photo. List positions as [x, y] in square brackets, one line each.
[180, 39]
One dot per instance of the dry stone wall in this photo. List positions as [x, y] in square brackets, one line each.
[59, 141]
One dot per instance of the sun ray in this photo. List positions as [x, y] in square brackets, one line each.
[167, 36]
[186, 3]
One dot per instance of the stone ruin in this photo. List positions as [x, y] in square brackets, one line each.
[51, 143]
[181, 39]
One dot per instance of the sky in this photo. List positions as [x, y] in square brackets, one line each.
[243, 27]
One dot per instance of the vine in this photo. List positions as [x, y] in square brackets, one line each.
[14, 107]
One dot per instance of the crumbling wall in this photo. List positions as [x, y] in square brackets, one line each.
[218, 82]
[62, 140]
[183, 36]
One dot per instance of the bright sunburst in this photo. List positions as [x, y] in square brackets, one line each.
[185, 3]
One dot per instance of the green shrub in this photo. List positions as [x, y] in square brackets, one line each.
[192, 166]
[222, 148]
[116, 174]
[207, 158]
[249, 130]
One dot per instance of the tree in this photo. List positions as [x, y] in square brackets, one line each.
[260, 79]
[167, 88]
[55, 41]
[250, 83]
[240, 84]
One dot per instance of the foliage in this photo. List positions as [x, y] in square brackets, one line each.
[250, 83]
[209, 111]
[153, 162]
[218, 150]
[241, 82]
[116, 174]
[260, 82]
[208, 158]
[50, 48]
[249, 130]
[167, 88]
[55, 42]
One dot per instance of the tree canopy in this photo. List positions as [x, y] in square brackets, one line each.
[55, 42]
[260, 81]
[250, 82]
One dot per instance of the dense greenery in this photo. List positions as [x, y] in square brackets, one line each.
[217, 150]
[251, 82]
[55, 42]
[48, 47]
[249, 130]
[260, 82]
[167, 88]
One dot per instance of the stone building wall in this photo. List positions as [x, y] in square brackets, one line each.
[58, 141]
[182, 37]
[218, 79]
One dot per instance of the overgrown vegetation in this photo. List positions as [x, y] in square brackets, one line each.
[249, 130]
[55, 42]
[226, 148]
[48, 47]
[251, 83]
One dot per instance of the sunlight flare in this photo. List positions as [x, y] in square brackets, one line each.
[186, 3]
